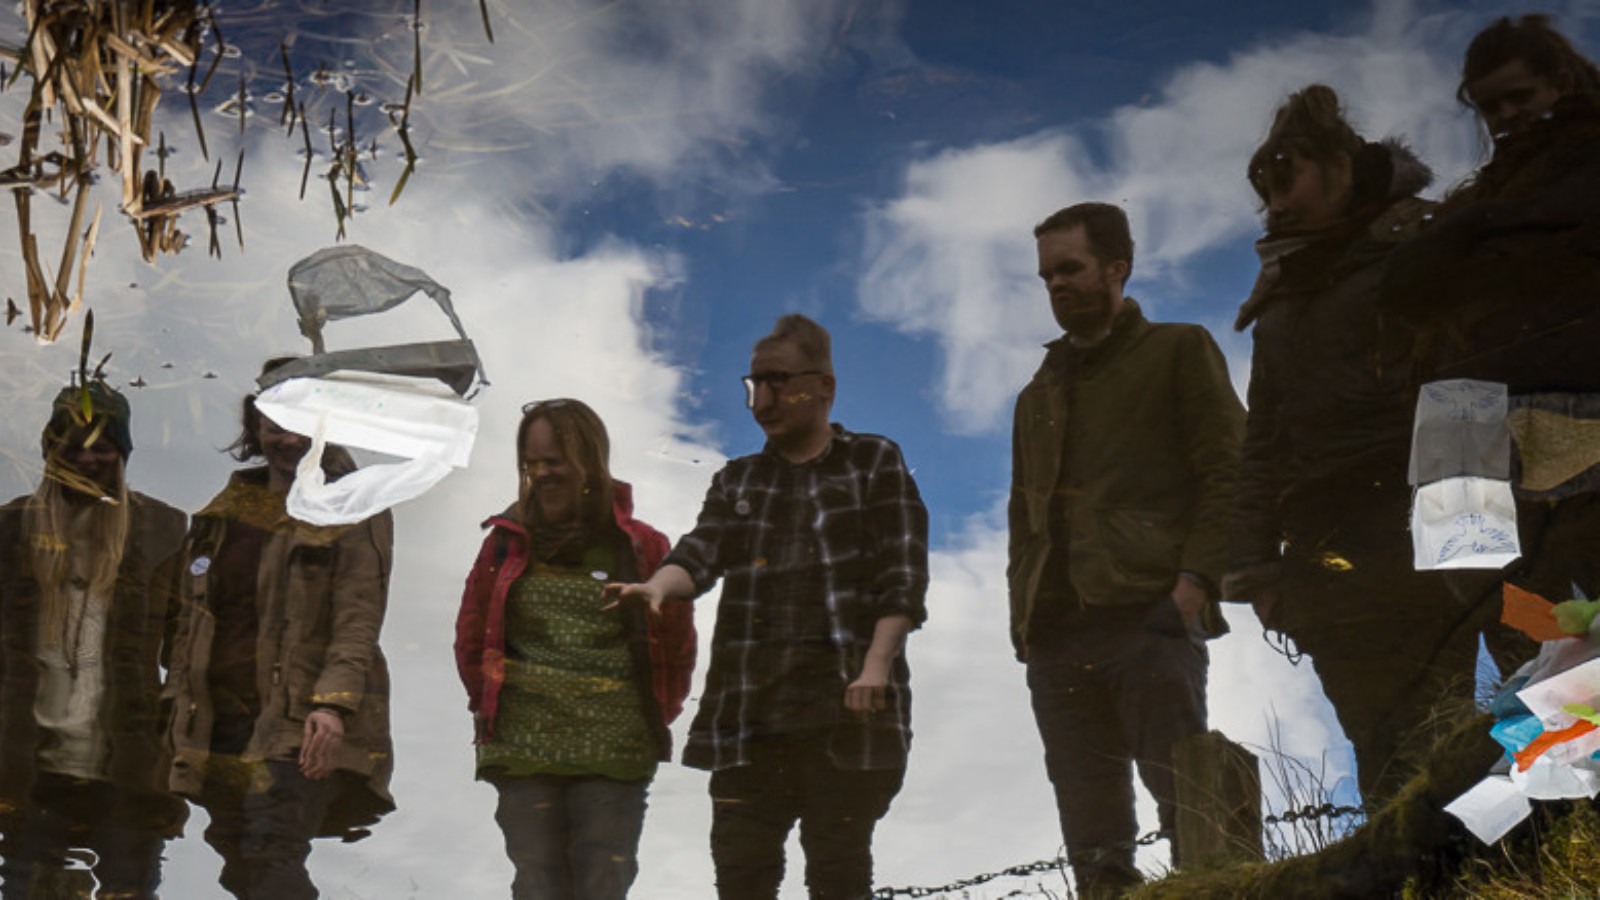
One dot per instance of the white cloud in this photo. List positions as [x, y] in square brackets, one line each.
[952, 254]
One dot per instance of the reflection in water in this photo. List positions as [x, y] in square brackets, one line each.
[83, 605]
[102, 67]
[821, 541]
[552, 178]
[571, 699]
[1328, 443]
[279, 691]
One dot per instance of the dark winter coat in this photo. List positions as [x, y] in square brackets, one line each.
[1331, 396]
[1507, 282]
[130, 708]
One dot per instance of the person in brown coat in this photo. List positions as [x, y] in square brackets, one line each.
[81, 613]
[280, 691]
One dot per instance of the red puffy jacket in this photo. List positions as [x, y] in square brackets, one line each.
[667, 642]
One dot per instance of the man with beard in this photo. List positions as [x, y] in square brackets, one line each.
[1320, 543]
[821, 543]
[1124, 448]
[83, 562]
[1506, 284]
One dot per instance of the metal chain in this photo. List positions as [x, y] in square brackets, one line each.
[1310, 811]
[1034, 868]
[1059, 864]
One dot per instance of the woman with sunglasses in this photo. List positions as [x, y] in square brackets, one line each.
[571, 700]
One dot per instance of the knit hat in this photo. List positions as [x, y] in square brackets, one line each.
[89, 405]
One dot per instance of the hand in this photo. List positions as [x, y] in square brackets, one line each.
[319, 745]
[617, 594]
[1264, 600]
[869, 692]
[1190, 598]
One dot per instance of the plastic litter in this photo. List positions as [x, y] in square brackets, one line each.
[416, 418]
[1546, 722]
[349, 281]
[403, 400]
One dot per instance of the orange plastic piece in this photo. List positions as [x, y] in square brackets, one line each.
[1530, 614]
[1537, 747]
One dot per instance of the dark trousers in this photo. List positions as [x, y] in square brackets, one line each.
[755, 806]
[1392, 647]
[72, 814]
[263, 817]
[1113, 689]
[571, 838]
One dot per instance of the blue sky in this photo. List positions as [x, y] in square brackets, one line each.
[624, 196]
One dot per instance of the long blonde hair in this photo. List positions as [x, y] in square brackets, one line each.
[55, 541]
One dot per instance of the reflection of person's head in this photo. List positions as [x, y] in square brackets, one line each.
[1085, 258]
[260, 437]
[87, 441]
[1516, 69]
[76, 523]
[1304, 172]
[791, 387]
[563, 465]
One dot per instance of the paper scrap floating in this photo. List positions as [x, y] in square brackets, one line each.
[404, 400]
[1463, 515]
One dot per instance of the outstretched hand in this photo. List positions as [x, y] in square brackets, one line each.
[615, 595]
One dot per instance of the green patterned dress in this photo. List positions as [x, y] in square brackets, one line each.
[570, 704]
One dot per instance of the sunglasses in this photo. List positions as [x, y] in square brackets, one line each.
[547, 404]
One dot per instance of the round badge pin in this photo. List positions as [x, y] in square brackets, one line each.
[199, 566]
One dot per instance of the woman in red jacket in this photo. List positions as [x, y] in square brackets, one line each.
[571, 700]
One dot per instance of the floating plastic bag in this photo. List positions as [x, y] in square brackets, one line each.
[1464, 523]
[348, 281]
[420, 419]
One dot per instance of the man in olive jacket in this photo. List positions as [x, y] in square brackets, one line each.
[1124, 449]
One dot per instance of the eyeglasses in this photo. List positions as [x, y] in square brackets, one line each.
[546, 404]
[773, 380]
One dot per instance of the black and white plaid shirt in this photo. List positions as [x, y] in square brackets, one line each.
[812, 556]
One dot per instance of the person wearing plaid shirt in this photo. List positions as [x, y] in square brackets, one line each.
[821, 542]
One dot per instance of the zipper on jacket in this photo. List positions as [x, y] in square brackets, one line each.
[277, 673]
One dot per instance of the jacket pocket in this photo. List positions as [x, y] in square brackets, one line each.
[1123, 554]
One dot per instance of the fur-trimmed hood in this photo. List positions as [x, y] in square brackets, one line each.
[1388, 174]
[1386, 171]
